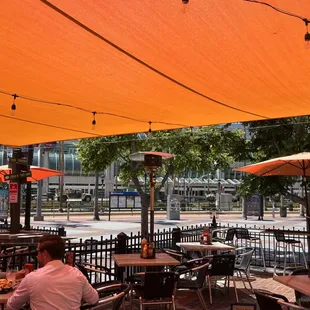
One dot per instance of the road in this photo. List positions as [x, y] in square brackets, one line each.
[83, 226]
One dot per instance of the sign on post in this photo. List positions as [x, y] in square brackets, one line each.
[13, 193]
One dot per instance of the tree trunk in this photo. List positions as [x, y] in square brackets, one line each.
[96, 206]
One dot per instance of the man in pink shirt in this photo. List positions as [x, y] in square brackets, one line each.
[55, 285]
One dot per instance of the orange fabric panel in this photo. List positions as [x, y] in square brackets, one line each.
[247, 57]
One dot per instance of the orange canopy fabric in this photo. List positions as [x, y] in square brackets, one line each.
[293, 165]
[135, 62]
[38, 173]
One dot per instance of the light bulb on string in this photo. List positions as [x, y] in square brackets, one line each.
[307, 35]
[13, 106]
[185, 5]
[94, 121]
[150, 129]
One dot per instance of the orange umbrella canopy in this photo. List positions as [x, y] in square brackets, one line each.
[38, 173]
[127, 66]
[293, 165]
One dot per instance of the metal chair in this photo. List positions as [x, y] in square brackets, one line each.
[222, 265]
[286, 243]
[156, 288]
[229, 236]
[242, 264]
[243, 234]
[289, 306]
[193, 278]
[112, 297]
[268, 300]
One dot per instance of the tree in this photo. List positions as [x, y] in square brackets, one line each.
[202, 149]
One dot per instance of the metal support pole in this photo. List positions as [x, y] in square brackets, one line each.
[38, 216]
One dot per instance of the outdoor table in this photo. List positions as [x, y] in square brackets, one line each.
[134, 260]
[4, 298]
[197, 246]
[300, 283]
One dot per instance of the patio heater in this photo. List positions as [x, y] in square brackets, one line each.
[152, 161]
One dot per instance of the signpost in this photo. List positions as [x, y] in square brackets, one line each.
[13, 193]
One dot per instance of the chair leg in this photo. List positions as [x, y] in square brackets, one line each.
[284, 266]
[202, 301]
[173, 303]
[241, 277]
[262, 253]
[294, 256]
[236, 293]
[210, 292]
[303, 254]
[247, 276]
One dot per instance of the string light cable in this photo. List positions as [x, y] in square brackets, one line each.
[304, 19]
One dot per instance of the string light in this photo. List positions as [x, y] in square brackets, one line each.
[307, 35]
[150, 129]
[94, 120]
[13, 106]
[185, 5]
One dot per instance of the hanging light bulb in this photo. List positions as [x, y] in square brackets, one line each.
[150, 129]
[13, 106]
[307, 35]
[185, 6]
[94, 121]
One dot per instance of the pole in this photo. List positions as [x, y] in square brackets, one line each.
[28, 191]
[38, 216]
[61, 178]
[152, 193]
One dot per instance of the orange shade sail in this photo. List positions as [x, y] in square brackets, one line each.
[129, 65]
[38, 173]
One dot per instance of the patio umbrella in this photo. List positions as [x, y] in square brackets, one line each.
[38, 173]
[293, 165]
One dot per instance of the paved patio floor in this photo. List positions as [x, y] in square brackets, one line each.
[186, 300]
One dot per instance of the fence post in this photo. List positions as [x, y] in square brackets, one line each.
[61, 232]
[121, 248]
[176, 236]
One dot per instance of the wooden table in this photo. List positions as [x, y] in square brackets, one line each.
[128, 260]
[4, 298]
[300, 283]
[197, 246]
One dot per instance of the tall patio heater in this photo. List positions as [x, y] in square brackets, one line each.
[152, 162]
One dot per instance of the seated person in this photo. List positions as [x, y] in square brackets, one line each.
[55, 285]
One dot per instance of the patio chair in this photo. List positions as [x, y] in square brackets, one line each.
[301, 299]
[222, 265]
[156, 288]
[268, 300]
[289, 306]
[242, 264]
[89, 269]
[112, 297]
[286, 243]
[229, 236]
[242, 234]
[193, 278]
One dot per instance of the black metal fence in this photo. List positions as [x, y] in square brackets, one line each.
[100, 252]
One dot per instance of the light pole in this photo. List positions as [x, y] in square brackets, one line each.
[102, 190]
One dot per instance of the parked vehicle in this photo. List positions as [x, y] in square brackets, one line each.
[74, 194]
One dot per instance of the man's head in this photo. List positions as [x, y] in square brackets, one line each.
[50, 247]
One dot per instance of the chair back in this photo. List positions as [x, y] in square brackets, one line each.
[268, 300]
[180, 256]
[223, 265]
[83, 270]
[159, 284]
[279, 235]
[242, 233]
[230, 234]
[113, 297]
[244, 259]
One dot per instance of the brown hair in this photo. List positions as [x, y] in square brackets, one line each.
[53, 245]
